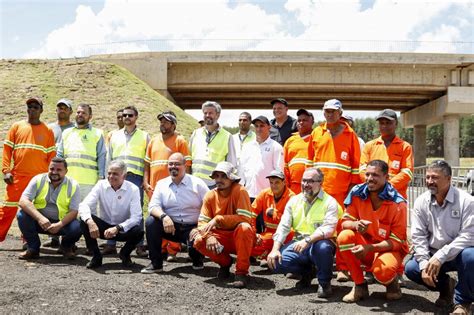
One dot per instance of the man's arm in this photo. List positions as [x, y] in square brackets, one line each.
[231, 154]
[284, 227]
[406, 168]
[101, 156]
[420, 232]
[135, 210]
[8, 146]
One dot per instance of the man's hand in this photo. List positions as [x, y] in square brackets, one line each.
[55, 227]
[8, 178]
[361, 226]
[429, 275]
[195, 235]
[273, 258]
[93, 229]
[360, 251]
[168, 225]
[300, 246]
[147, 187]
[111, 232]
[44, 223]
[209, 226]
[213, 244]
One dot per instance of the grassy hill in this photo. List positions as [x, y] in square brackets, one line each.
[106, 86]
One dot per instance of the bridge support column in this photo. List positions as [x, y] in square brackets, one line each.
[419, 145]
[451, 139]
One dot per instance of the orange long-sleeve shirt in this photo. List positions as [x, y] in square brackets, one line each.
[388, 222]
[229, 210]
[29, 147]
[337, 157]
[399, 157]
[295, 155]
[265, 200]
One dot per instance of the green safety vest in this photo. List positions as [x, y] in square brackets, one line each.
[305, 225]
[206, 156]
[80, 152]
[131, 152]
[64, 197]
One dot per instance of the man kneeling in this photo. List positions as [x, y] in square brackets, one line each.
[120, 214]
[313, 215]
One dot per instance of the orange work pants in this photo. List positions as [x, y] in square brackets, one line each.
[10, 203]
[239, 241]
[383, 265]
[170, 247]
[262, 250]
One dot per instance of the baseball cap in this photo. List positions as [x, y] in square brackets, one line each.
[303, 111]
[347, 117]
[387, 114]
[332, 104]
[262, 119]
[35, 100]
[168, 116]
[279, 100]
[277, 173]
[66, 102]
[228, 169]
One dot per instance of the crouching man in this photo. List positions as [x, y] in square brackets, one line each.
[49, 206]
[313, 215]
[120, 214]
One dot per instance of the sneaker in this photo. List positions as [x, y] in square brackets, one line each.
[240, 281]
[199, 265]
[151, 269]
[358, 292]
[446, 295]
[343, 276]
[53, 242]
[324, 290]
[141, 251]
[170, 258]
[464, 309]
[109, 250]
[28, 254]
[94, 263]
[224, 272]
[126, 260]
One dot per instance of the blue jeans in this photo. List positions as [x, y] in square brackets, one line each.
[463, 264]
[30, 228]
[320, 254]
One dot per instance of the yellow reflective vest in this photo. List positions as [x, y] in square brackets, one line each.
[64, 197]
[132, 152]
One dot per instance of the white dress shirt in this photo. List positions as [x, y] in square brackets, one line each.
[116, 207]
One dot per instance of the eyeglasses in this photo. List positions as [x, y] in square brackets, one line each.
[174, 164]
[33, 106]
[309, 181]
[127, 115]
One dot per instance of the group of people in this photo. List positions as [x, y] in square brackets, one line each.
[293, 197]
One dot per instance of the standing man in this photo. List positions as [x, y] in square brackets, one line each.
[398, 154]
[174, 211]
[374, 233]
[313, 215]
[245, 134]
[63, 122]
[120, 125]
[210, 144]
[27, 151]
[259, 158]
[283, 125]
[49, 206]
[224, 225]
[442, 232]
[295, 150]
[120, 214]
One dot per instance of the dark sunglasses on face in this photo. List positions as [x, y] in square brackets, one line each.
[127, 115]
[33, 106]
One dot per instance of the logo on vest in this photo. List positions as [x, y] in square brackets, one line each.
[383, 233]
[84, 138]
[396, 164]
[344, 155]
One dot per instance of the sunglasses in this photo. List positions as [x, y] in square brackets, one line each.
[33, 106]
[127, 115]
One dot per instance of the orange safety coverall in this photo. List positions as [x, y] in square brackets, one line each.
[234, 231]
[389, 222]
[295, 154]
[157, 153]
[265, 200]
[27, 151]
[399, 157]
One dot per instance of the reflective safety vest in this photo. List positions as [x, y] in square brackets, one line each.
[306, 224]
[206, 156]
[80, 152]
[132, 152]
[64, 197]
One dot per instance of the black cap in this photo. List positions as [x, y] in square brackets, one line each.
[389, 114]
[262, 119]
[279, 100]
[36, 100]
[303, 111]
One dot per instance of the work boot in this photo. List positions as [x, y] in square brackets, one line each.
[240, 281]
[463, 309]
[263, 263]
[343, 276]
[28, 254]
[53, 242]
[141, 251]
[446, 294]
[68, 253]
[94, 263]
[393, 290]
[358, 292]
[126, 260]
[324, 290]
[305, 281]
[369, 277]
[224, 272]
[109, 250]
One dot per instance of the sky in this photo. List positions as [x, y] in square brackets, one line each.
[78, 28]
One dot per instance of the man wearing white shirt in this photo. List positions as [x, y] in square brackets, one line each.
[245, 134]
[120, 215]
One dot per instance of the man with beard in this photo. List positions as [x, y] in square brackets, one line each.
[27, 151]
[49, 206]
[283, 125]
[174, 211]
[245, 134]
[442, 232]
[210, 144]
[156, 164]
[374, 233]
[224, 225]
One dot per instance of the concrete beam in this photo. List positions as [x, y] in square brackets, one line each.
[451, 139]
[419, 145]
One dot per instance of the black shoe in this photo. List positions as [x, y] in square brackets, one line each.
[224, 272]
[446, 294]
[198, 265]
[324, 290]
[240, 281]
[305, 282]
[126, 260]
[28, 254]
[95, 262]
[53, 242]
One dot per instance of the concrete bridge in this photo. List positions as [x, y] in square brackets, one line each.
[426, 88]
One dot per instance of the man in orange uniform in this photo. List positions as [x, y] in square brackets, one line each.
[224, 225]
[374, 233]
[334, 148]
[389, 148]
[295, 150]
[156, 164]
[271, 202]
[30, 147]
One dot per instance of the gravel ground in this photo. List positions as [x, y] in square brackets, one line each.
[54, 285]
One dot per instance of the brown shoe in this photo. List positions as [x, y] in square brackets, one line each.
[141, 251]
[393, 290]
[240, 281]
[358, 292]
[68, 253]
[343, 276]
[28, 254]
[446, 294]
[109, 250]
[464, 309]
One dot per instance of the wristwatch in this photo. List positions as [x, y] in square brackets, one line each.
[307, 239]
[163, 216]
[119, 228]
